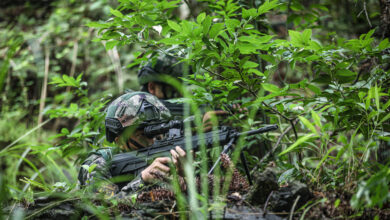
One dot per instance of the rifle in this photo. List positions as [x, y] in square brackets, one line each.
[136, 161]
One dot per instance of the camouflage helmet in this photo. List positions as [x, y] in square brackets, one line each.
[133, 109]
[155, 69]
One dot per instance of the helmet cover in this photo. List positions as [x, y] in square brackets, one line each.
[133, 109]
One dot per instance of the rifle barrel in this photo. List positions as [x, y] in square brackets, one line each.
[260, 130]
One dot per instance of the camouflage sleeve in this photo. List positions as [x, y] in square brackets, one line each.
[99, 172]
[135, 185]
[100, 177]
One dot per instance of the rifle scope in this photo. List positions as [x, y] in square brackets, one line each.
[156, 129]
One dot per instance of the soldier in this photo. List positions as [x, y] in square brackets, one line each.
[126, 116]
[152, 79]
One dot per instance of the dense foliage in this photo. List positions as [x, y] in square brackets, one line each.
[323, 82]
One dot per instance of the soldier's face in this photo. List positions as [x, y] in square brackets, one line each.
[138, 140]
[162, 91]
[156, 90]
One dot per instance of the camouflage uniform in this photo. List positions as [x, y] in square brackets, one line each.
[123, 112]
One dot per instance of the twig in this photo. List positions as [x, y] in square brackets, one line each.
[274, 148]
[295, 131]
[253, 93]
[266, 203]
[74, 61]
[365, 11]
[293, 207]
[288, 12]
[44, 86]
[115, 60]
[277, 112]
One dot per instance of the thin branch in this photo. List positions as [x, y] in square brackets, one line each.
[116, 62]
[274, 148]
[295, 131]
[365, 11]
[253, 93]
[266, 203]
[74, 62]
[277, 112]
[293, 207]
[44, 86]
[288, 12]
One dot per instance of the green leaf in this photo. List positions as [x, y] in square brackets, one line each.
[314, 88]
[231, 24]
[387, 117]
[369, 34]
[116, 13]
[98, 25]
[312, 57]
[64, 131]
[91, 168]
[111, 44]
[384, 44]
[174, 26]
[345, 72]
[295, 38]
[385, 106]
[268, 58]
[250, 64]
[325, 157]
[249, 13]
[316, 118]
[255, 71]
[133, 198]
[256, 40]
[306, 35]
[376, 92]
[308, 124]
[337, 203]
[300, 141]
[171, 41]
[368, 99]
[216, 29]
[267, 6]
[270, 87]
[206, 24]
[345, 75]
[246, 48]
[201, 17]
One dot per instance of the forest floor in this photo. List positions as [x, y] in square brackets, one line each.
[265, 199]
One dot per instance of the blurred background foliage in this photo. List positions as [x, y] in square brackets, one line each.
[61, 61]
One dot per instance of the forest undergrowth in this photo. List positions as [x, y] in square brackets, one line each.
[318, 69]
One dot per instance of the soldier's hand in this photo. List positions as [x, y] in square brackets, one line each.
[238, 108]
[178, 158]
[157, 170]
[207, 124]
